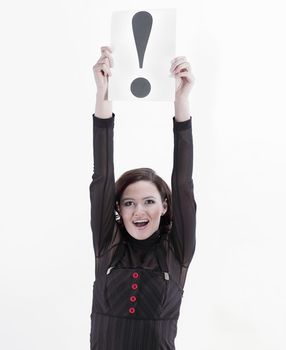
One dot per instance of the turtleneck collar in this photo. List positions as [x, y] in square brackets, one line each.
[144, 243]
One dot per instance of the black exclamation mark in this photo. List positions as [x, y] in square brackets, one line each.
[141, 25]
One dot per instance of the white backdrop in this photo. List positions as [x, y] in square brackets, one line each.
[235, 290]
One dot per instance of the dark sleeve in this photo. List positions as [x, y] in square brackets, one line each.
[184, 205]
[102, 187]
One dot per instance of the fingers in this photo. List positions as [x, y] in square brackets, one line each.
[105, 61]
[102, 67]
[177, 60]
[106, 52]
[106, 48]
[189, 77]
[180, 64]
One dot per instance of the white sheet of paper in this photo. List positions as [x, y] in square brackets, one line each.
[159, 52]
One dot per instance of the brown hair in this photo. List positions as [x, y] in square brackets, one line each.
[146, 174]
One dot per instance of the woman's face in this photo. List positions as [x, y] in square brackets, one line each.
[141, 208]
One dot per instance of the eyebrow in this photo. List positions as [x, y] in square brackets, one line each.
[129, 198]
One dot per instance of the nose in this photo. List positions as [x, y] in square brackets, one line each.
[139, 208]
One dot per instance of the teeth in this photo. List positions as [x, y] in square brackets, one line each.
[140, 221]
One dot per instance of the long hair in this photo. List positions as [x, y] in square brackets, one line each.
[146, 174]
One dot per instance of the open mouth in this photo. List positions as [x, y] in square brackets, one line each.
[141, 223]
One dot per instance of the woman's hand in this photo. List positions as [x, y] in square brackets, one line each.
[102, 71]
[181, 70]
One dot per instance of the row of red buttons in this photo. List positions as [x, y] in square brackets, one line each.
[133, 298]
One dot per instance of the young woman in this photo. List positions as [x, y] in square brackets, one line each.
[143, 236]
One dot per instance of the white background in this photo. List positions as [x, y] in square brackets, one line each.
[235, 291]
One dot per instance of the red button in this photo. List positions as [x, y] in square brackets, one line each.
[133, 298]
[134, 286]
[132, 310]
[135, 275]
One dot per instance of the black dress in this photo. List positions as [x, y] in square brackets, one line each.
[139, 284]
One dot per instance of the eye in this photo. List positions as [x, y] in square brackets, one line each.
[128, 203]
[149, 201]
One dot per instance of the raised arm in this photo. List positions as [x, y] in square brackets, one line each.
[102, 185]
[184, 205]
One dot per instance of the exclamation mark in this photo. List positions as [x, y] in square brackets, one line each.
[141, 25]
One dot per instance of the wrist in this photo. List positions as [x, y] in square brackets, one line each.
[103, 108]
[182, 109]
[181, 99]
[101, 95]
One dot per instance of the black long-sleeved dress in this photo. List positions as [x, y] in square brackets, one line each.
[139, 283]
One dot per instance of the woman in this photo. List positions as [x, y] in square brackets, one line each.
[144, 237]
